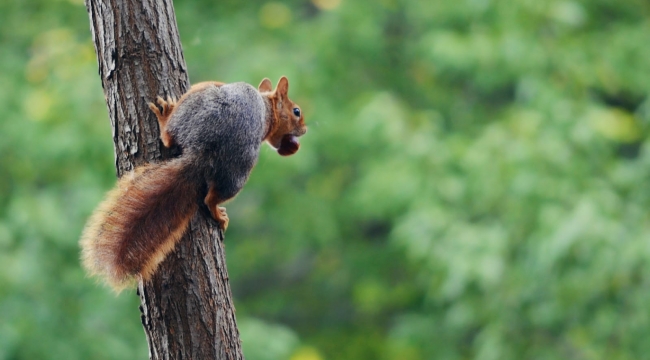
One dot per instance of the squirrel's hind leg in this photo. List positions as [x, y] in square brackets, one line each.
[163, 116]
[212, 200]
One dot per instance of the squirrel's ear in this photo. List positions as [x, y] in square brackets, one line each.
[283, 87]
[265, 86]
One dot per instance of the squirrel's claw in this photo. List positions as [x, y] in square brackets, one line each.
[166, 105]
[163, 114]
[155, 110]
[166, 108]
[212, 200]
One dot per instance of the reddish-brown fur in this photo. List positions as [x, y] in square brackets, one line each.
[139, 222]
[282, 121]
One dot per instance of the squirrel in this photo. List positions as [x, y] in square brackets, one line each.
[219, 129]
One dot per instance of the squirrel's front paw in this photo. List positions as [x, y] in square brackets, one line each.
[163, 116]
[167, 107]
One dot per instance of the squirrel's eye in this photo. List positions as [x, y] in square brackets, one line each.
[296, 111]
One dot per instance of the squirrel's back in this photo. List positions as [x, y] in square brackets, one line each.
[218, 117]
[224, 127]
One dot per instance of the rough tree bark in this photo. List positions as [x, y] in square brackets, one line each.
[187, 309]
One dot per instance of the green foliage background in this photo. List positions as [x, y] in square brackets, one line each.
[474, 183]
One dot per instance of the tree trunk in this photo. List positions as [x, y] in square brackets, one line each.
[187, 309]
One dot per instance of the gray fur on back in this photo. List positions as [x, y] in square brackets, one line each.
[221, 129]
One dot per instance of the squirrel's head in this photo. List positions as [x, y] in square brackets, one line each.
[286, 121]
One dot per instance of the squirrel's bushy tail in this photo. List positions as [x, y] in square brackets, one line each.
[139, 223]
